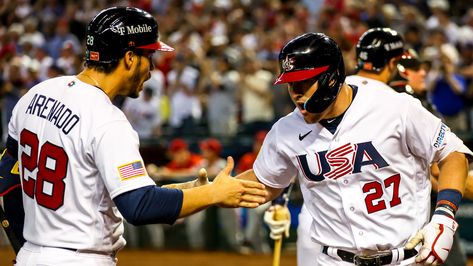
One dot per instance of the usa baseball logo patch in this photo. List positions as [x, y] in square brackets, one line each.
[287, 64]
[131, 170]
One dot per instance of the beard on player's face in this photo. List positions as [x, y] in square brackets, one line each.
[136, 81]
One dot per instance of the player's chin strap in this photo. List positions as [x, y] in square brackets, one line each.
[382, 258]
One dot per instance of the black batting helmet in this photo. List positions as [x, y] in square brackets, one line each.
[310, 55]
[376, 47]
[409, 60]
[117, 29]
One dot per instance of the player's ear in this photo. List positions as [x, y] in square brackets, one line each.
[128, 59]
[393, 63]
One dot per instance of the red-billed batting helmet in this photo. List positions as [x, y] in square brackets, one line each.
[118, 29]
[311, 55]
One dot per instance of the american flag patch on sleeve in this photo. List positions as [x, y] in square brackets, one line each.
[131, 170]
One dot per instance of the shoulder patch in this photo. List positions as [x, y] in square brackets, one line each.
[130, 170]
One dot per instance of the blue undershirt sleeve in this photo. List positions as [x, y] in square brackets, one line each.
[14, 212]
[10, 189]
[150, 205]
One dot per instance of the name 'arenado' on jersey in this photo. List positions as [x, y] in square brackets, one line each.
[53, 111]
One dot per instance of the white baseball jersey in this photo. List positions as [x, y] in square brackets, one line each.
[77, 151]
[366, 186]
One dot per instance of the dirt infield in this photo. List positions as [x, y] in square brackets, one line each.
[181, 258]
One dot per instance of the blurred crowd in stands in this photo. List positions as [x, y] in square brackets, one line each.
[217, 87]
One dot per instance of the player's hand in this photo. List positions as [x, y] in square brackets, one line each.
[278, 219]
[231, 192]
[437, 239]
[202, 179]
[153, 170]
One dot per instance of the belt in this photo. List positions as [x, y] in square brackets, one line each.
[382, 258]
[112, 254]
[37, 248]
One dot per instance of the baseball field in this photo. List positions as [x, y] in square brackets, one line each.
[181, 258]
[185, 258]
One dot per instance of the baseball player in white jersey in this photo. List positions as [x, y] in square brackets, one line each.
[386, 62]
[79, 161]
[361, 157]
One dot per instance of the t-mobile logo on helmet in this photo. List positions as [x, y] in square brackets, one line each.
[393, 45]
[133, 29]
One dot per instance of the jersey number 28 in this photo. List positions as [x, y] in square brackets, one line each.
[51, 164]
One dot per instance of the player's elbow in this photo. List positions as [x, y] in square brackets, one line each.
[150, 205]
[133, 220]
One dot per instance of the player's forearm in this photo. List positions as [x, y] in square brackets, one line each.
[453, 172]
[197, 199]
[469, 187]
[250, 175]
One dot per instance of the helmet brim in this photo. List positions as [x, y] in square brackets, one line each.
[160, 46]
[299, 75]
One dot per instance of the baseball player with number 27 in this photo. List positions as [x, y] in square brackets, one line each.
[361, 156]
[79, 161]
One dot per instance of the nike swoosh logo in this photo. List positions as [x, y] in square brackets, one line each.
[303, 136]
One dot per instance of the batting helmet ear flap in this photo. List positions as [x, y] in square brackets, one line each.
[329, 84]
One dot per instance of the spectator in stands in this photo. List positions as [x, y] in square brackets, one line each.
[32, 33]
[62, 35]
[13, 89]
[157, 83]
[183, 163]
[45, 62]
[440, 18]
[221, 87]
[67, 59]
[143, 114]
[256, 95]
[446, 87]
[186, 109]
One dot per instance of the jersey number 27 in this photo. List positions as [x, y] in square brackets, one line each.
[374, 199]
[51, 162]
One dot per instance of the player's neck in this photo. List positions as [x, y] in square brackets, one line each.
[97, 80]
[341, 104]
[383, 76]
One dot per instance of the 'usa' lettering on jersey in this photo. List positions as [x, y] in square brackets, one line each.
[342, 161]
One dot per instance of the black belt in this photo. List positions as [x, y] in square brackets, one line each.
[370, 260]
[112, 254]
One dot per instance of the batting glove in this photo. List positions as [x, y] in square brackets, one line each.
[437, 239]
[278, 219]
